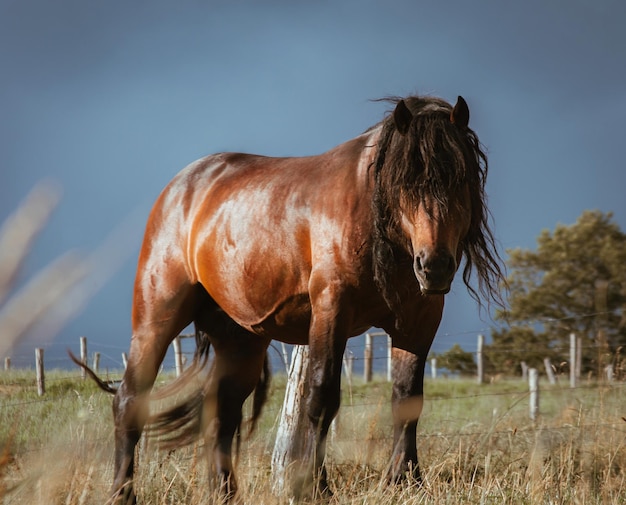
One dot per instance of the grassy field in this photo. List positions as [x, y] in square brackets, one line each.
[477, 446]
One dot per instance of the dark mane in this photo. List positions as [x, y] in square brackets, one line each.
[435, 158]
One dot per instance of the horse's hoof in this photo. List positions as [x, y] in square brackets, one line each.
[305, 488]
[407, 473]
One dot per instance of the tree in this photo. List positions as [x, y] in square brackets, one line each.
[575, 282]
[456, 359]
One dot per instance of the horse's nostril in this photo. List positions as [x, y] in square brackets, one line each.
[418, 264]
[436, 264]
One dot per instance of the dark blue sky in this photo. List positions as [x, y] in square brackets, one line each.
[111, 99]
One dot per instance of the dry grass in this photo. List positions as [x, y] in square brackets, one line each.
[476, 446]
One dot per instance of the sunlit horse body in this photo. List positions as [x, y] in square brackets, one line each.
[310, 250]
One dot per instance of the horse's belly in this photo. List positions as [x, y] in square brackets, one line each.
[289, 322]
[286, 320]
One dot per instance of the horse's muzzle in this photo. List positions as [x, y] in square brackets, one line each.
[434, 271]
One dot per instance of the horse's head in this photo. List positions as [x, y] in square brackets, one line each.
[429, 198]
[435, 208]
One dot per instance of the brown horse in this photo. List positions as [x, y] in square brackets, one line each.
[313, 251]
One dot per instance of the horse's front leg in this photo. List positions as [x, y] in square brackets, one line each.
[409, 354]
[131, 410]
[327, 341]
[407, 401]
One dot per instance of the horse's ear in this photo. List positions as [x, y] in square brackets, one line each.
[402, 117]
[460, 114]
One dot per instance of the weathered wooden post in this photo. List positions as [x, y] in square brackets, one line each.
[348, 364]
[41, 380]
[433, 368]
[389, 358]
[7, 364]
[293, 429]
[96, 361]
[524, 367]
[368, 356]
[479, 360]
[609, 373]
[83, 356]
[549, 372]
[283, 347]
[533, 383]
[579, 357]
[572, 360]
[178, 356]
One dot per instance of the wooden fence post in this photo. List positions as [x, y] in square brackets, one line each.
[389, 359]
[83, 356]
[292, 433]
[609, 373]
[7, 364]
[41, 380]
[524, 367]
[579, 357]
[479, 360]
[96, 361]
[348, 364]
[178, 356]
[368, 356]
[549, 371]
[283, 346]
[572, 360]
[533, 383]
[433, 368]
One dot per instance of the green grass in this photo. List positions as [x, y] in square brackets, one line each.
[476, 446]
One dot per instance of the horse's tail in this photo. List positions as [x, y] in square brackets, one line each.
[182, 424]
[200, 359]
[99, 382]
[260, 393]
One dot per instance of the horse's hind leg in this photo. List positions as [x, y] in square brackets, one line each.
[158, 316]
[238, 365]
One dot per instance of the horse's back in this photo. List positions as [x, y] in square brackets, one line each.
[251, 229]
